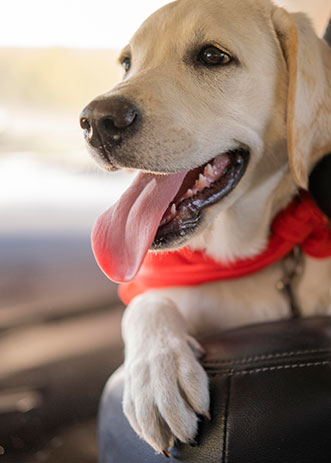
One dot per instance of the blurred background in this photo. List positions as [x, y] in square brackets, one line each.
[59, 316]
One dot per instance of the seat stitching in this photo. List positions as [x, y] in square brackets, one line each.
[226, 414]
[269, 356]
[231, 372]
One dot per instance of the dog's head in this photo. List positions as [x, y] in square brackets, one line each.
[215, 93]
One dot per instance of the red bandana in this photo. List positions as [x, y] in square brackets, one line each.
[301, 223]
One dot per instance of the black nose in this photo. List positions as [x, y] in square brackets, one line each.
[107, 118]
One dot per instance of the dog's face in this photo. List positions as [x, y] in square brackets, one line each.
[202, 82]
[205, 91]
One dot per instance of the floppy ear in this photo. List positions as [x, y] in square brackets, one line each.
[308, 61]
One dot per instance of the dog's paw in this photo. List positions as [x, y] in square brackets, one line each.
[164, 392]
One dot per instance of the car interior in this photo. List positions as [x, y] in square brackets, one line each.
[60, 341]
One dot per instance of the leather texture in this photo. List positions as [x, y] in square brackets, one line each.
[270, 400]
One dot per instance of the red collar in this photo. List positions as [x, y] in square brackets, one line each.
[301, 223]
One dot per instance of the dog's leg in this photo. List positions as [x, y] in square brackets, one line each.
[165, 386]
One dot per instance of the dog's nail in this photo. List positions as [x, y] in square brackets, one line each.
[166, 453]
[207, 416]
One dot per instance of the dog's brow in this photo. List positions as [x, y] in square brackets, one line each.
[203, 35]
[199, 34]
[198, 37]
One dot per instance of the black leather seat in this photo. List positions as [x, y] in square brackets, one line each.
[271, 400]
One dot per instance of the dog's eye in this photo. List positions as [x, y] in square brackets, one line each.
[126, 63]
[212, 56]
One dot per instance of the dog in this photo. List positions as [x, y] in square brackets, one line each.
[223, 110]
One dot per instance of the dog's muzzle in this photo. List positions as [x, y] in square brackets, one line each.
[106, 121]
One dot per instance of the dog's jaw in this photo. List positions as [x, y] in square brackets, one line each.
[241, 229]
[185, 215]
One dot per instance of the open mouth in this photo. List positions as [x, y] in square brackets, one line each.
[161, 210]
[202, 187]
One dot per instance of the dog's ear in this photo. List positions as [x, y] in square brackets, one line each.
[308, 60]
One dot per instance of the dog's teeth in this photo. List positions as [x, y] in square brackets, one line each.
[210, 170]
[188, 194]
[173, 209]
[201, 183]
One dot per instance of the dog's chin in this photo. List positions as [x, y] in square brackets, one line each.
[101, 158]
[185, 216]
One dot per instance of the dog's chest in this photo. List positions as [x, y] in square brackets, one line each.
[257, 298]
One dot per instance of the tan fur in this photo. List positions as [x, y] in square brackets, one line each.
[278, 96]
[309, 98]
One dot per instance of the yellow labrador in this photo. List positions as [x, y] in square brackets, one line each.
[236, 84]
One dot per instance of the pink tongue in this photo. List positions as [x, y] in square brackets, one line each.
[124, 233]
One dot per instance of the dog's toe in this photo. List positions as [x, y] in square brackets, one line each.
[141, 410]
[157, 434]
[193, 382]
[178, 415]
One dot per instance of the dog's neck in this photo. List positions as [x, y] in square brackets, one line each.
[243, 229]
